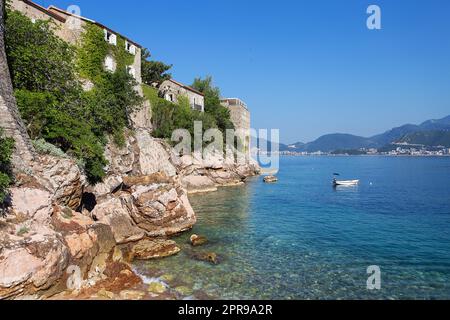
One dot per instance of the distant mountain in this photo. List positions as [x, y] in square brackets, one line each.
[331, 142]
[432, 138]
[339, 141]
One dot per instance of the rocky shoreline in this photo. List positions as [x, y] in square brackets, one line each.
[63, 238]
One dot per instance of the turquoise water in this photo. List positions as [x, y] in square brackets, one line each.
[303, 239]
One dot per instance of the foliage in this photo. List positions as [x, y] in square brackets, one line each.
[92, 52]
[212, 103]
[45, 72]
[167, 116]
[6, 150]
[153, 71]
[44, 147]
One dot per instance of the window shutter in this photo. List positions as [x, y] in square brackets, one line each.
[113, 39]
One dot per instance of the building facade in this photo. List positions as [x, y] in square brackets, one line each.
[240, 116]
[70, 27]
[171, 90]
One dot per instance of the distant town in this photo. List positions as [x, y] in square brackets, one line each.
[397, 149]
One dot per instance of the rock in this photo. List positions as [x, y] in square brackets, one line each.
[33, 265]
[198, 184]
[105, 294]
[156, 178]
[157, 287]
[32, 203]
[131, 295]
[62, 178]
[79, 244]
[167, 277]
[121, 159]
[270, 179]
[154, 248]
[114, 213]
[184, 291]
[197, 240]
[108, 186]
[161, 210]
[210, 257]
[153, 157]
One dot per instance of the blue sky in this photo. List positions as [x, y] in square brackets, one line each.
[305, 67]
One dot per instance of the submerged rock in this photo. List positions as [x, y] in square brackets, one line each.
[210, 257]
[157, 287]
[197, 240]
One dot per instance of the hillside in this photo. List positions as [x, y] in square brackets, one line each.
[339, 141]
[431, 138]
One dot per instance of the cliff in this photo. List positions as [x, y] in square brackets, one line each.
[61, 234]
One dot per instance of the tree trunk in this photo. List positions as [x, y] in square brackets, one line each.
[10, 120]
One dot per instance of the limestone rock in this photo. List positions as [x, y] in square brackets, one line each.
[270, 179]
[197, 240]
[31, 265]
[62, 178]
[154, 248]
[153, 157]
[32, 203]
[131, 295]
[198, 184]
[114, 212]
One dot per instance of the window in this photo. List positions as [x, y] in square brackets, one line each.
[131, 48]
[109, 63]
[132, 71]
[110, 37]
[169, 97]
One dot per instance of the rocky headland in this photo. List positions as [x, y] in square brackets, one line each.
[62, 237]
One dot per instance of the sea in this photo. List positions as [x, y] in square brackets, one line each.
[302, 238]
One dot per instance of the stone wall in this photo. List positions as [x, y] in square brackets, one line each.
[172, 90]
[10, 119]
[240, 116]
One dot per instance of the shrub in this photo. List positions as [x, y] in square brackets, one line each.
[6, 150]
[44, 147]
[45, 72]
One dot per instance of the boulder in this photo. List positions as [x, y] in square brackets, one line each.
[34, 204]
[62, 178]
[198, 184]
[209, 257]
[108, 186]
[270, 179]
[161, 210]
[31, 265]
[153, 248]
[197, 240]
[115, 213]
[153, 157]
[121, 159]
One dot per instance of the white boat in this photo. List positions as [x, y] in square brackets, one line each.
[345, 182]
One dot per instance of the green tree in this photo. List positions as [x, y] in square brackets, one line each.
[153, 71]
[46, 71]
[212, 103]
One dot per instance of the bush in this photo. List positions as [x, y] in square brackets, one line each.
[6, 151]
[45, 72]
[43, 147]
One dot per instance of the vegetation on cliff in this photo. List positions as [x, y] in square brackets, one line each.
[46, 75]
[6, 150]
[168, 116]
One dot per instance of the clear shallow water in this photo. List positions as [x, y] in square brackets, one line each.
[303, 239]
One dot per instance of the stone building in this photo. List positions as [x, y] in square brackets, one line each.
[171, 90]
[240, 116]
[69, 26]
